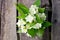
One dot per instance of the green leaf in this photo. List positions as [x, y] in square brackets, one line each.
[38, 19]
[23, 8]
[32, 24]
[40, 32]
[46, 24]
[41, 10]
[37, 2]
[32, 32]
[22, 15]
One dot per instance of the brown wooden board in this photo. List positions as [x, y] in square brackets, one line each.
[8, 20]
[55, 34]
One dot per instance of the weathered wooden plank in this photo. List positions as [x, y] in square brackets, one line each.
[44, 2]
[55, 34]
[25, 37]
[8, 20]
[28, 3]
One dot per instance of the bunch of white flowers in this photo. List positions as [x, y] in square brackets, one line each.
[25, 24]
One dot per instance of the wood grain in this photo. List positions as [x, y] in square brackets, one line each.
[55, 34]
[8, 20]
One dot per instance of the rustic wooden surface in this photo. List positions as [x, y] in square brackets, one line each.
[28, 3]
[8, 20]
[43, 2]
[55, 34]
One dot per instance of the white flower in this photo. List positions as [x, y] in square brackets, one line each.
[28, 35]
[29, 18]
[42, 16]
[21, 22]
[33, 9]
[23, 30]
[28, 26]
[37, 26]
